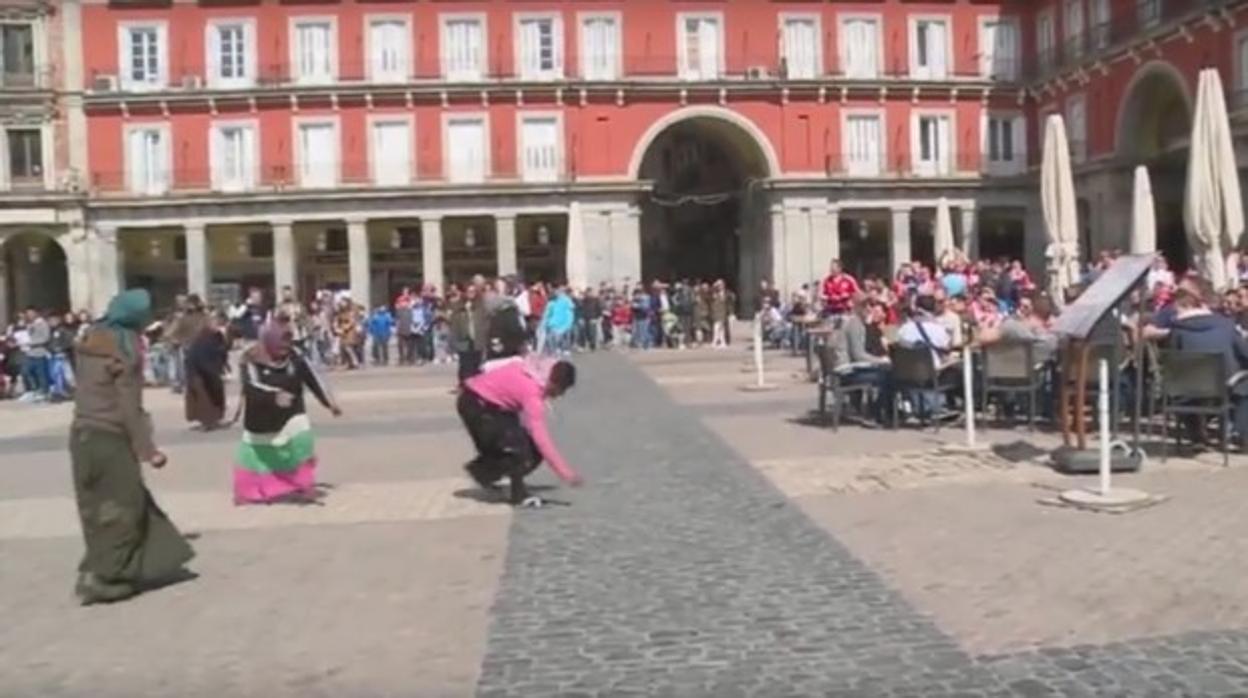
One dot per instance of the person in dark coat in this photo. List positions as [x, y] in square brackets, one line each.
[1196, 328]
[206, 360]
[469, 332]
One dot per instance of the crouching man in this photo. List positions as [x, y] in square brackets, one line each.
[503, 409]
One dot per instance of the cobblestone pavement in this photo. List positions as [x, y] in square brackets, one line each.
[682, 572]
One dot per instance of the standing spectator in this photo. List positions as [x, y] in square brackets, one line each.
[558, 322]
[839, 289]
[346, 334]
[682, 306]
[207, 357]
[719, 316]
[403, 324]
[589, 319]
[702, 314]
[380, 330]
[190, 320]
[641, 315]
[37, 355]
[248, 317]
[469, 328]
[295, 318]
[60, 368]
[621, 322]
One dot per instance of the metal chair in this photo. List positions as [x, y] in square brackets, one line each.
[1194, 384]
[832, 382]
[1010, 369]
[913, 369]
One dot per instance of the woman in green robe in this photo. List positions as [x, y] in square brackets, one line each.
[131, 545]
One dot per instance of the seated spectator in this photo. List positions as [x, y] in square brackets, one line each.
[1197, 328]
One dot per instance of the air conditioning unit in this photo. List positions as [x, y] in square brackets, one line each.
[104, 83]
[192, 82]
[757, 72]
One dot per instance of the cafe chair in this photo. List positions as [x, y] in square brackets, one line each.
[914, 371]
[836, 385]
[1010, 369]
[1194, 384]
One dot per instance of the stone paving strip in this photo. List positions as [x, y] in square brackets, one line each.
[377, 502]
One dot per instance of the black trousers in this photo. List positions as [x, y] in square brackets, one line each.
[504, 448]
[469, 364]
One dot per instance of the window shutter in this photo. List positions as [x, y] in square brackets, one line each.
[938, 49]
[1020, 143]
[247, 158]
[708, 48]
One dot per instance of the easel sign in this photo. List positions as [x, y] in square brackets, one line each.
[1088, 324]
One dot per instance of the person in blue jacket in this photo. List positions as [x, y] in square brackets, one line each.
[380, 329]
[558, 321]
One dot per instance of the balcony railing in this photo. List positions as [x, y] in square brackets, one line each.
[648, 67]
[42, 78]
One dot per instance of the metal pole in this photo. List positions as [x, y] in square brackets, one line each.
[968, 391]
[1103, 405]
[758, 348]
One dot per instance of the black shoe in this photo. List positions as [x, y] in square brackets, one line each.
[90, 590]
[477, 471]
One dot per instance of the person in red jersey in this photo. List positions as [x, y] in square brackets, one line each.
[839, 289]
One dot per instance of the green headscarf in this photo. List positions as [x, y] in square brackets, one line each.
[128, 314]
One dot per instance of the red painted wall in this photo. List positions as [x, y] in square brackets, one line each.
[600, 136]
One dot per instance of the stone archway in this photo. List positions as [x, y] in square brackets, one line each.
[706, 217]
[1154, 128]
[34, 272]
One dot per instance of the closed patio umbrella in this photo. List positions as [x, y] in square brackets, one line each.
[1057, 201]
[943, 235]
[576, 263]
[1143, 216]
[1212, 210]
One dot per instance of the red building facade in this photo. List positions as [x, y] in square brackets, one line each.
[376, 143]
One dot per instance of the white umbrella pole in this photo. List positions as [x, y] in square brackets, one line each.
[758, 348]
[968, 391]
[1103, 408]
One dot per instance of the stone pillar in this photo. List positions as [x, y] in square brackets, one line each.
[779, 248]
[798, 247]
[359, 263]
[74, 242]
[105, 264]
[970, 232]
[596, 225]
[431, 250]
[505, 229]
[827, 231]
[900, 247]
[284, 257]
[626, 245]
[198, 276]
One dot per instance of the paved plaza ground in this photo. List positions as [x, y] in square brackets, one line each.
[724, 545]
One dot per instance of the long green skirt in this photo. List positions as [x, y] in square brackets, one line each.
[129, 539]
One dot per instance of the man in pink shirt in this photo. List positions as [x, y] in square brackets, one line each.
[504, 410]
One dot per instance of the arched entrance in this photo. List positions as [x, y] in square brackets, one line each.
[1154, 128]
[34, 273]
[706, 217]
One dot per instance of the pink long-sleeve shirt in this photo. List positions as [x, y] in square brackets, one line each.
[512, 387]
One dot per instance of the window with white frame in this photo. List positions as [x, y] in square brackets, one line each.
[392, 152]
[1099, 19]
[802, 48]
[860, 47]
[25, 148]
[931, 146]
[864, 144]
[463, 48]
[600, 47]
[231, 53]
[539, 47]
[233, 157]
[315, 51]
[1077, 127]
[467, 149]
[1005, 143]
[143, 61]
[701, 46]
[929, 48]
[389, 49]
[1074, 28]
[998, 49]
[147, 159]
[17, 51]
[1045, 40]
[1148, 11]
[318, 154]
[540, 148]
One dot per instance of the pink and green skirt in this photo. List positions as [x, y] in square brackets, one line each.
[270, 467]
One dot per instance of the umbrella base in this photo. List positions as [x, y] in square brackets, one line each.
[1072, 461]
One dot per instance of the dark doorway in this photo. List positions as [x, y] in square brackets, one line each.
[703, 218]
